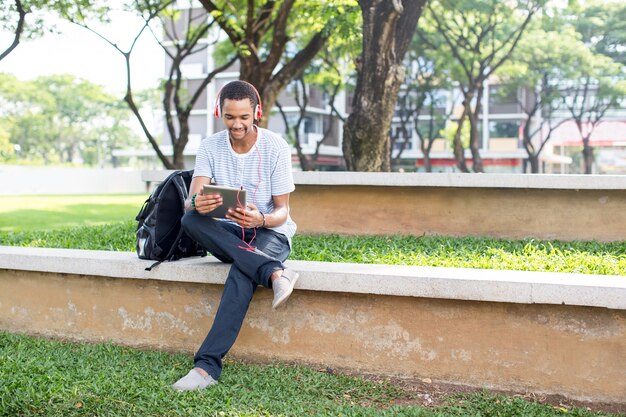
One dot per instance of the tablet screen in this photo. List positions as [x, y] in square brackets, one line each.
[232, 197]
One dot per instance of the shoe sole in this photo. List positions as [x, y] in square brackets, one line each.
[284, 298]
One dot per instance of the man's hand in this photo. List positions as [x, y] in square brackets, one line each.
[207, 203]
[248, 217]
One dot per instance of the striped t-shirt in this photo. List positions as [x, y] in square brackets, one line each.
[267, 166]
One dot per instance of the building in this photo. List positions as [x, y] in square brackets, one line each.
[500, 126]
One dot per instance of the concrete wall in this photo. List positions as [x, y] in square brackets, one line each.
[566, 207]
[502, 213]
[545, 333]
[25, 180]
[510, 206]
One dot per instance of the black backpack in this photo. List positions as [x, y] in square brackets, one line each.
[159, 235]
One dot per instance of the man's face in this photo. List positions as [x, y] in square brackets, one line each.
[238, 118]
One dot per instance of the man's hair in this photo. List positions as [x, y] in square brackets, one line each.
[238, 90]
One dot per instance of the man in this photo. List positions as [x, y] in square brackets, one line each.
[255, 239]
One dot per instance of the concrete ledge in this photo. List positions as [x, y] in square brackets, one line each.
[457, 180]
[536, 332]
[518, 287]
[468, 180]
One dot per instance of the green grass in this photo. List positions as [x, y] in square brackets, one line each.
[469, 252]
[115, 237]
[32, 212]
[106, 223]
[51, 378]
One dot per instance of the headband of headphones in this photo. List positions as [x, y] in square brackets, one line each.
[258, 110]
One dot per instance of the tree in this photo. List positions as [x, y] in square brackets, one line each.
[388, 27]
[427, 77]
[597, 86]
[481, 35]
[330, 73]
[61, 118]
[542, 61]
[294, 128]
[601, 24]
[14, 13]
[18, 26]
[596, 83]
[263, 33]
[7, 149]
[179, 95]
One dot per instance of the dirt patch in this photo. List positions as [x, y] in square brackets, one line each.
[424, 392]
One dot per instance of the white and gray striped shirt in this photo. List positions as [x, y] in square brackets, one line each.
[266, 166]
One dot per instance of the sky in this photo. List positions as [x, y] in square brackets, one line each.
[81, 53]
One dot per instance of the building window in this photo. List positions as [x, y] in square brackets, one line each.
[400, 136]
[499, 96]
[504, 129]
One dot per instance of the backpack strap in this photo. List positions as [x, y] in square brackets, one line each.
[157, 263]
[142, 213]
[183, 193]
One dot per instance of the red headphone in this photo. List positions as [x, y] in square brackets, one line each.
[258, 110]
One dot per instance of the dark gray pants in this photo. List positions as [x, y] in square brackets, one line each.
[249, 269]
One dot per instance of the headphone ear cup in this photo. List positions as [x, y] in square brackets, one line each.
[258, 112]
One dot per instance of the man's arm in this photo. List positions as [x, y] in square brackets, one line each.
[278, 216]
[252, 217]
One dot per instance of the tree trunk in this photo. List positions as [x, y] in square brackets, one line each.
[426, 152]
[534, 163]
[533, 156]
[388, 27]
[588, 156]
[458, 149]
[477, 164]
[587, 149]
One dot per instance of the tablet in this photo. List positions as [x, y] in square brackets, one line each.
[232, 198]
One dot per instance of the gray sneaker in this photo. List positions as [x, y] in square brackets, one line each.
[193, 381]
[283, 287]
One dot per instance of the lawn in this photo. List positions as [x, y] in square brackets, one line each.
[51, 378]
[39, 377]
[107, 223]
[33, 212]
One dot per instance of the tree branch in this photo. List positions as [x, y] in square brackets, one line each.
[217, 14]
[18, 30]
[279, 38]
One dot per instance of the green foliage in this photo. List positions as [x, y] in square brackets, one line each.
[450, 129]
[40, 14]
[60, 118]
[543, 53]
[50, 378]
[478, 33]
[339, 17]
[6, 147]
[601, 24]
